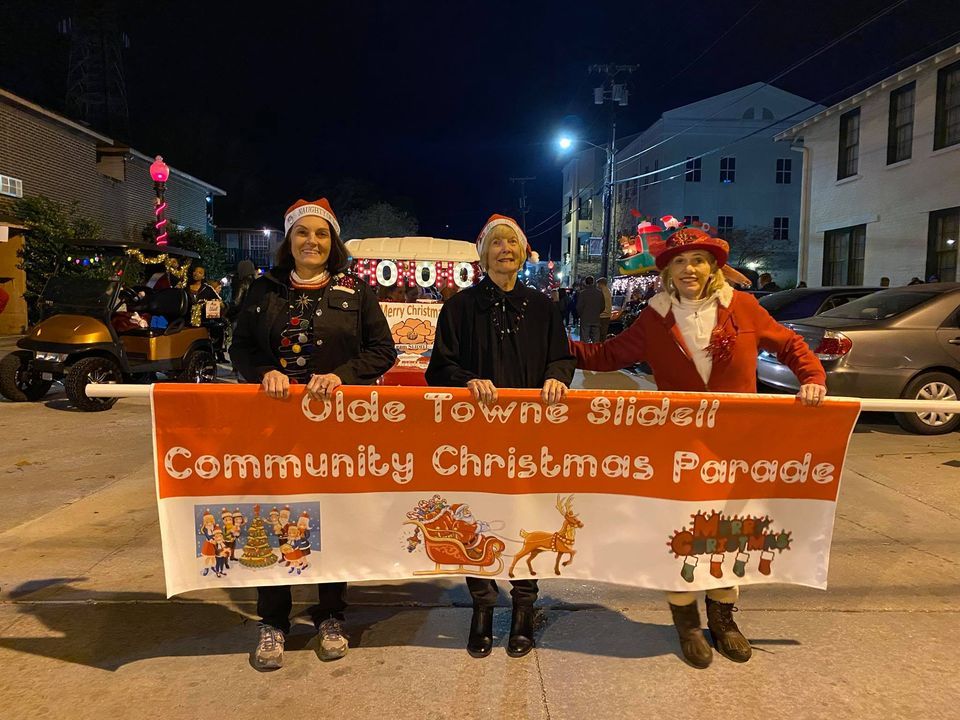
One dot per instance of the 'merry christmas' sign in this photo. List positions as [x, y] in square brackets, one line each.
[675, 491]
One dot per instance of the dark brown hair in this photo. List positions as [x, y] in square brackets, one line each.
[338, 260]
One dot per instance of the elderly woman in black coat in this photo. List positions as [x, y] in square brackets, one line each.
[501, 334]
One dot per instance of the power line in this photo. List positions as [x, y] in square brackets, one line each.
[842, 91]
[708, 48]
[833, 43]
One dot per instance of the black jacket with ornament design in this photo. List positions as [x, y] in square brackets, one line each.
[356, 343]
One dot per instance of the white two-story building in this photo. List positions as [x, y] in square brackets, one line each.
[881, 180]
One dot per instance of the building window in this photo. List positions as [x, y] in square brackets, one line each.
[645, 180]
[688, 220]
[728, 169]
[258, 243]
[847, 158]
[943, 244]
[724, 225]
[843, 252]
[586, 209]
[693, 169]
[900, 130]
[781, 228]
[947, 127]
[784, 171]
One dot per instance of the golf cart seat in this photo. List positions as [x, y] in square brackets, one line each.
[173, 304]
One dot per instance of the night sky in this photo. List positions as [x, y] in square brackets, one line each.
[435, 105]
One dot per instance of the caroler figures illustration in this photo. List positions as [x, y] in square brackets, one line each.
[285, 536]
[560, 542]
[452, 536]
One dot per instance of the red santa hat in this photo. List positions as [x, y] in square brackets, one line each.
[302, 208]
[483, 239]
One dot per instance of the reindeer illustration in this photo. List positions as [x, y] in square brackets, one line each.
[559, 542]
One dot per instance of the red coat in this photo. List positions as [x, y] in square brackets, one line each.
[746, 328]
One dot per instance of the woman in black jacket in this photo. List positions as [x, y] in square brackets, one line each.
[501, 334]
[309, 321]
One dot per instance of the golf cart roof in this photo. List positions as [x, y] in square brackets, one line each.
[414, 248]
[143, 247]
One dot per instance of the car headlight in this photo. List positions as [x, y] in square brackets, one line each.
[51, 357]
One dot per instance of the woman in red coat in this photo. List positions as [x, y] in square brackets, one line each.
[700, 334]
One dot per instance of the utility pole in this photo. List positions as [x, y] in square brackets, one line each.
[524, 209]
[618, 94]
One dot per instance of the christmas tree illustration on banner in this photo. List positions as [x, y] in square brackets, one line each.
[257, 553]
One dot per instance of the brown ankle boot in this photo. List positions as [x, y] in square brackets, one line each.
[694, 645]
[727, 637]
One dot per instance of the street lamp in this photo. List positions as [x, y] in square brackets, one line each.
[565, 143]
[159, 172]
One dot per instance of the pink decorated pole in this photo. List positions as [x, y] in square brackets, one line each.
[159, 172]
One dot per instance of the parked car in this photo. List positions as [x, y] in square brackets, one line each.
[897, 343]
[807, 302]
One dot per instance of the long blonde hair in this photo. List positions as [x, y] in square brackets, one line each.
[716, 281]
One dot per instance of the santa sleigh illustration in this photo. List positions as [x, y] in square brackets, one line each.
[453, 540]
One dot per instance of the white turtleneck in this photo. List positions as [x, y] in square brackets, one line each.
[696, 320]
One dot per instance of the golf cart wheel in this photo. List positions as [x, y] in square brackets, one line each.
[931, 386]
[86, 372]
[201, 367]
[17, 382]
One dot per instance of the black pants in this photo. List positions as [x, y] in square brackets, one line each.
[485, 592]
[274, 603]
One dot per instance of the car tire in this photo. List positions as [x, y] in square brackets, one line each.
[17, 382]
[931, 386]
[201, 367]
[85, 372]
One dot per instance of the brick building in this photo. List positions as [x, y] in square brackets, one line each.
[45, 154]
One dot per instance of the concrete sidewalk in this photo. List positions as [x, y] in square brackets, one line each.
[86, 629]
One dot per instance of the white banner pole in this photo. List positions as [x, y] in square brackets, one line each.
[866, 404]
[117, 390]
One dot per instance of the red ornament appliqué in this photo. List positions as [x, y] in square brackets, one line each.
[721, 345]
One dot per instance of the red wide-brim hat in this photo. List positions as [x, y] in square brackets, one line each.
[686, 239]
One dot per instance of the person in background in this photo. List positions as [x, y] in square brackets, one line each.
[884, 282]
[767, 283]
[589, 307]
[607, 311]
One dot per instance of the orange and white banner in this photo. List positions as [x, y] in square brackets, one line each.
[673, 491]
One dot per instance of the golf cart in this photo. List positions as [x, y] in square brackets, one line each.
[93, 329]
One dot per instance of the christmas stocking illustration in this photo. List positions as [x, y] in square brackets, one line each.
[766, 558]
[740, 564]
[716, 565]
[689, 565]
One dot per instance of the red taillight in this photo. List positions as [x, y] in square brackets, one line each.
[833, 346]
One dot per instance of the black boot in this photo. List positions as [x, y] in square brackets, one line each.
[693, 644]
[727, 637]
[521, 631]
[480, 641]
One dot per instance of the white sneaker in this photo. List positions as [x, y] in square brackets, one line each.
[269, 655]
[333, 643]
